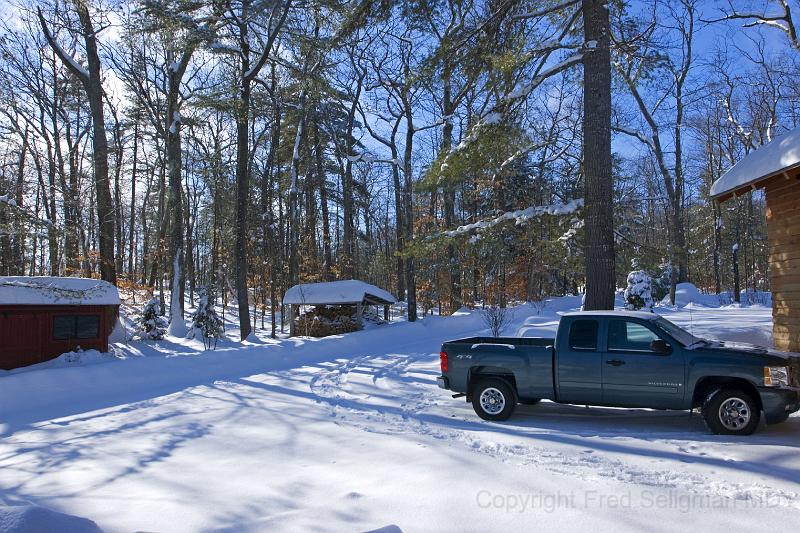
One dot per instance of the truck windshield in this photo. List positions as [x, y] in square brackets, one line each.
[676, 332]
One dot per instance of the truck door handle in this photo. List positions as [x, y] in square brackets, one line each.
[615, 362]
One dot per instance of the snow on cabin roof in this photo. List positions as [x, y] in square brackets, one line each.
[41, 290]
[772, 158]
[349, 291]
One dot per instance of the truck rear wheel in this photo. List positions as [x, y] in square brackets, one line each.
[731, 411]
[494, 399]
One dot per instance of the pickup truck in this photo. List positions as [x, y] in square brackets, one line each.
[625, 359]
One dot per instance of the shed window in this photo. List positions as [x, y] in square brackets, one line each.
[76, 327]
[583, 335]
[63, 327]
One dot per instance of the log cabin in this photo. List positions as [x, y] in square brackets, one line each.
[775, 168]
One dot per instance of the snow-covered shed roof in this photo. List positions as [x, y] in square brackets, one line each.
[350, 291]
[41, 290]
[777, 156]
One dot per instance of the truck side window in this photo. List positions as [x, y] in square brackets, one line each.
[629, 336]
[583, 335]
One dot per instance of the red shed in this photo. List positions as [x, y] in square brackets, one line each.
[43, 317]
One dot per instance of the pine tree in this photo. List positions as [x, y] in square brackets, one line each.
[205, 321]
[638, 293]
[151, 325]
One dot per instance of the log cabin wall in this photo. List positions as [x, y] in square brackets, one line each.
[783, 228]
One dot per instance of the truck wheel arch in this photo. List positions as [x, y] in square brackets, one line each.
[477, 373]
[708, 384]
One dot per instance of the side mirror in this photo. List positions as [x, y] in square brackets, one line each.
[661, 347]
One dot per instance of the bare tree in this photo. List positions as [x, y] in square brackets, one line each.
[92, 82]
[640, 55]
[496, 318]
[240, 19]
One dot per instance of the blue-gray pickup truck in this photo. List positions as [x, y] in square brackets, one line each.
[625, 359]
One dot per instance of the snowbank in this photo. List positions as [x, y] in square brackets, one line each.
[688, 294]
[42, 290]
[66, 360]
[35, 519]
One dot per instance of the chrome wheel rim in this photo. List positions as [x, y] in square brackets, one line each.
[734, 413]
[492, 401]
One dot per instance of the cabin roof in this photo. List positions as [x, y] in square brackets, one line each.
[771, 159]
[42, 290]
[350, 291]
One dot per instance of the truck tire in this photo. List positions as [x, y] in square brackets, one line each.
[494, 399]
[730, 411]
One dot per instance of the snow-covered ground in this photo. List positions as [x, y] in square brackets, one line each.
[351, 433]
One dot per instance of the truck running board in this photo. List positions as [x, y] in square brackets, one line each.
[459, 395]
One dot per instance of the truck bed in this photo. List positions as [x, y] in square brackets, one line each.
[511, 341]
[528, 361]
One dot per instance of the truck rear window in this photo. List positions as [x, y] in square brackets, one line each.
[583, 335]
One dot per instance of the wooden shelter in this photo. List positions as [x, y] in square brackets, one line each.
[775, 167]
[44, 317]
[351, 292]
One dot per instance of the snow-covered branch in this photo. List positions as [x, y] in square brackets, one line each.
[636, 134]
[525, 90]
[66, 58]
[519, 217]
[546, 11]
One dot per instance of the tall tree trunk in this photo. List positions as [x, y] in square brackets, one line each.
[449, 195]
[118, 154]
[131, 265]
[267, 186]
[18, 243]
[598, 180]
[408, 206]
[736, 283]
[348, 228]
[242, 191]
[156, 263]
[399, 224]
[717, 247]
[322, 179]
[93, 85]
[247, 74]
[294, 208]
[176, 70]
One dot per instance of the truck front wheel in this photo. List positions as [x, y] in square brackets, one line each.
[731, 411]
[493, 399]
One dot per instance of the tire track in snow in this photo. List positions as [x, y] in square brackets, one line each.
[352, 402]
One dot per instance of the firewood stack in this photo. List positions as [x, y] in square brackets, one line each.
[324, 321]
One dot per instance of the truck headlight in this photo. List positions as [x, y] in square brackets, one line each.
[776, 376]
